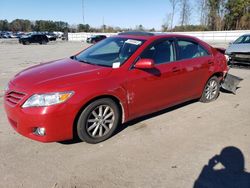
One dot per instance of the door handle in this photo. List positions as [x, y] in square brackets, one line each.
[210, 62]
[175, 69]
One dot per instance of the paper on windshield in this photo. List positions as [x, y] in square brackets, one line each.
[134, 42]
[116, 65]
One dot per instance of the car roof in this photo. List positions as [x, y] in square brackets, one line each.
[155, 36]
[148, 35]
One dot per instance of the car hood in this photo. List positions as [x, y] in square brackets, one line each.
[244, 48]
[60, 73]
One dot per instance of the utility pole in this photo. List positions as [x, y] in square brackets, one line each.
[83, 17]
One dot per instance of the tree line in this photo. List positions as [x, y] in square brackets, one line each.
[27, 25]
[213, 15]
[24, 25]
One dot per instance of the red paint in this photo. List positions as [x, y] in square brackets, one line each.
[141, 89]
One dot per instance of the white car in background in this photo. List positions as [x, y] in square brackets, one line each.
[238, 52]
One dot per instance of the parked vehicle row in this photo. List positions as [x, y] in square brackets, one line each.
[7, 34]
[52, 36]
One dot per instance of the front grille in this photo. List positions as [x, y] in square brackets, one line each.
[242, 55]
[14, 97]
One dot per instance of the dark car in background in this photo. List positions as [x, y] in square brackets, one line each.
[35, 38]
[96, 38]
[238, 52]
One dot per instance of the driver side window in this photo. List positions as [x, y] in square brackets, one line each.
[162, 52]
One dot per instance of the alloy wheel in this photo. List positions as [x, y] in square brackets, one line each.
[100, 121]
[211, 90]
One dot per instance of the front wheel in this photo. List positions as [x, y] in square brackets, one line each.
[98, 121]
[211, 90]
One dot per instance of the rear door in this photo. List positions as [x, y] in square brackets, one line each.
[195, 61]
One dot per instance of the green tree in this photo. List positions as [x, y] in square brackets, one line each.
[140, 28]
[4, 25]
[237, 14]
[20, 25]
[83, 27]
[214, 15]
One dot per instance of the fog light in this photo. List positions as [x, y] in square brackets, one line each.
[40, 131]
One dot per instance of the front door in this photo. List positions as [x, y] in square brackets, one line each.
[149, 90]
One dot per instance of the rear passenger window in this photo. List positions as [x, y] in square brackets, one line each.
[189, 50]
[161, 52]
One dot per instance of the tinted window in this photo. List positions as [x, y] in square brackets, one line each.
[161, 53]
[189, 49]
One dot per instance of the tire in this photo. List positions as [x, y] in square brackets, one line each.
[26, 43]
[98, 121]
[211, 90]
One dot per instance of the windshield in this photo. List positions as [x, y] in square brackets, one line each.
[243, 39]
[109, 52]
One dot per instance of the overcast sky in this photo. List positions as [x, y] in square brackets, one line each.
[123, 13]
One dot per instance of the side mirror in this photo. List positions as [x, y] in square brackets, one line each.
[145, 64]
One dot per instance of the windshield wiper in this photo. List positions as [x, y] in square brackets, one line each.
[102, 65]
[87, 62]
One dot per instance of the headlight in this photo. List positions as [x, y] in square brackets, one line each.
[39, 100]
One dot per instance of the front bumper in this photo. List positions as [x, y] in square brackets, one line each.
[58, 120]
[239, 58]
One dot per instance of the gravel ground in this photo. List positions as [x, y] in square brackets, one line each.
[166, 149]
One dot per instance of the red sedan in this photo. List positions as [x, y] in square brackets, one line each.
[118, 79]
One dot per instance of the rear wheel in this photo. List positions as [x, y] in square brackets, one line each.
[211, 90]
[98, 121]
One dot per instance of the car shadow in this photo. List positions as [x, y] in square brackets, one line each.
[232, 174]
[122, 127]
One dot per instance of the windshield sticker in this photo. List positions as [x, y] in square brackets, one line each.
[116, 65]
[134, 42]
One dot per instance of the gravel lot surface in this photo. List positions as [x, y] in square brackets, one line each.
[166, 149]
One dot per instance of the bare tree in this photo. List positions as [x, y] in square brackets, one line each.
[173, 5]
[203, 11]
[166, 22]
[216, 14]
[185, 12]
